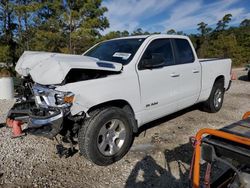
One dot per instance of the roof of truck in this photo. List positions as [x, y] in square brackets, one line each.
[153, 35]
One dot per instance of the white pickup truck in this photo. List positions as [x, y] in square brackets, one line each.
[101, 98]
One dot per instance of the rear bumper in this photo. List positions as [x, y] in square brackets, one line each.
[229, 85]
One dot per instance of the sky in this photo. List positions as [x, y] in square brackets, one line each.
[180, 15]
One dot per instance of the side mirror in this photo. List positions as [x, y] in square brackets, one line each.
[156, 61]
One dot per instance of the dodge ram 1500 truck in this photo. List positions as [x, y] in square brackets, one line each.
[99, 99]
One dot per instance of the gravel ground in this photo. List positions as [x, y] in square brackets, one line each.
[160, 155]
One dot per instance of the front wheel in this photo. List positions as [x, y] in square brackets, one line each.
[106, 136]
[216, 98]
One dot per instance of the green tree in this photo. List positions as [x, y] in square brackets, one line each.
[202, 41]
[83, 20]
[245, 23]
[223, 23]
[48, 34]
[139, 31]
[5, 56]
[73, 26]
[115, 34]
[171, 32]
[202, 27]
[180, 33]
[8, 27]
[24, 11]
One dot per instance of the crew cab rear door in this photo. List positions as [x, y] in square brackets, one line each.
[189, 70]
[159, 78]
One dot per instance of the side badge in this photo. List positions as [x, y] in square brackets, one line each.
[152, 104]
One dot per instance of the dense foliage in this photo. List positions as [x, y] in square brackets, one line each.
[73, 26]
[68, 26]
[233, 42]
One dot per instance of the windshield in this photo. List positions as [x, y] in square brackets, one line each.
[120, 50]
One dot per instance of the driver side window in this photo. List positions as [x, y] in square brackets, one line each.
[158, 54]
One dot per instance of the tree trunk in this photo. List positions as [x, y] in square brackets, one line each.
[70, 30]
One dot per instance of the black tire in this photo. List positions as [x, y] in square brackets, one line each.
[210, 105]
[248, 75]
[88, 136]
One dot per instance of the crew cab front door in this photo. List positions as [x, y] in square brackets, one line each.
[159, 78]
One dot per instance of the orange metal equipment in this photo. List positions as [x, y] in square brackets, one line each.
[217, 133]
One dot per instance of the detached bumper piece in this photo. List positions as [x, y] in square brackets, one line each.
[17, 116]
[45, 122]
[20, 111]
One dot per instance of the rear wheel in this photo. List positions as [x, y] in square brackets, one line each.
[106, 136]
[215, 100]
[248, 75]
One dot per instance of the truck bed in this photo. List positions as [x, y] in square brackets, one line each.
[210, 59]
[211, 69]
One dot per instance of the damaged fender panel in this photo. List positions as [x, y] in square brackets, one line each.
[80, 105]
[51, 68]
[82, 102]
[97, 91]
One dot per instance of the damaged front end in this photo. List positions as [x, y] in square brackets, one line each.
[45, 111]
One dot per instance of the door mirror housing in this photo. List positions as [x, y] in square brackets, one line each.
[155, 61]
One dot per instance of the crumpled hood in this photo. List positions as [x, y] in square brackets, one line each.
[51, 68]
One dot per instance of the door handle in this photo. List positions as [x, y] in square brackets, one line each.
[195, 71]
[174, 75]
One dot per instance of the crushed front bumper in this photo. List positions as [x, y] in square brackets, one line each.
[45, 122]
[45, 113]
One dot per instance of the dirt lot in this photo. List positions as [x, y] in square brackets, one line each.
[160, 155]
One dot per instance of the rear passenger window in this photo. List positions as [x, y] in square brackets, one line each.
[184, 52]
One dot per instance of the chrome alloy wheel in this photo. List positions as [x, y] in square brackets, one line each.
[111, 137]
[217, 98]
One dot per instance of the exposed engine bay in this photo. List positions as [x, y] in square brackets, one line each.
[76, 75]
[48, 68]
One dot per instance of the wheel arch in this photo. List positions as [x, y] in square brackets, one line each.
[209, 105]
[220, 78]
[120, 103]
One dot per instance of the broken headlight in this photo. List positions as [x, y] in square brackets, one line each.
[64, 98]
[49, 97]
